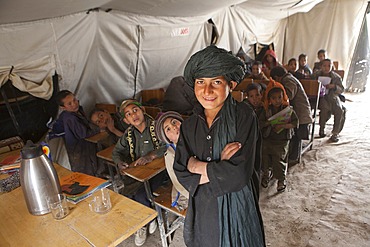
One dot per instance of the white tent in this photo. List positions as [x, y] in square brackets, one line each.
[106, 51]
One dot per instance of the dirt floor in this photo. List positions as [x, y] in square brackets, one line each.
[327, 201]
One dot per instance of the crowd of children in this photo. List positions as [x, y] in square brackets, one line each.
[210, 162]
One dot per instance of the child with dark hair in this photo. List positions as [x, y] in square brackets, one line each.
[76, 127]
[257, 73]
[330, 103]
[112, 123]
[299, 101]
[216, 154]
[304, 71]
[321, 55]
[139, 145]
[254, 93]
[276, 134]
[292, 65]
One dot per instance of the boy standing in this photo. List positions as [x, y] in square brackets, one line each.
[276, 136]
[76, 127]
[138, 146]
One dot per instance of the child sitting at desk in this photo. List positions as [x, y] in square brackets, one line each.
[304, 71]
[330, 103]
[112, 123]
[76, 127]
[139, 145]
[257, 73]
[276, 136]
[167, 129]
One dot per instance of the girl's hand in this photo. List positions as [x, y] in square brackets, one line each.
[110, 125]
[230, 149]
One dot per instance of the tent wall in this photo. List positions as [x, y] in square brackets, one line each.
[333, 25]
[103, 60]
[106, 57]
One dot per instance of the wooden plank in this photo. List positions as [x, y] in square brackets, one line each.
[106, 154]
[98, 137]
[146, 172]
[111, 108]
[164, 200]
[80, 228]
[153, 97]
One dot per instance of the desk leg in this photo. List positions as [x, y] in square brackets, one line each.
[162, 227]
[149, 193]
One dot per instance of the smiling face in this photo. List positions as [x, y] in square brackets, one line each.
[212, 92]
[171, 128]
[256, 70]
[134, 115]
[100, 118]
[292, 66]
[326, 67]
[255, 98]
[70, 103]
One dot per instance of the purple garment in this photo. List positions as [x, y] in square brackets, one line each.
[81, 153]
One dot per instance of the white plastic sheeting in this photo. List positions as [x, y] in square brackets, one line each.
[34, 77]
[106, 57]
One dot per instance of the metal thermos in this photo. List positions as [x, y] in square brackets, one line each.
[38, 177]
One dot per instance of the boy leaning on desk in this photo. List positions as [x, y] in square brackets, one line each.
[139, 146]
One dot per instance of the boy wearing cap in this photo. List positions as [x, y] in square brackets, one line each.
[138, 146]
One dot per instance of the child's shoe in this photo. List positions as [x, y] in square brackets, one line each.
[152, 226]
[322, 133]
[140, 236]
[266, 177]
[281, 185]
[334, 138]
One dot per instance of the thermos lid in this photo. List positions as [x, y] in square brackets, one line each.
[31, 150]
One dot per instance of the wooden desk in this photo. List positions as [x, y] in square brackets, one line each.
[106, 156]
[80, 228]
[98, 137]
[140, 173]
[145, 173]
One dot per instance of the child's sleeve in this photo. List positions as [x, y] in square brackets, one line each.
[121, 151]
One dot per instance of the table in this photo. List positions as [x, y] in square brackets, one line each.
[98, 137]
[140, 173]
[80, 228]
[106, 156]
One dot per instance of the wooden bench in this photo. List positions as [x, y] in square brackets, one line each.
[340, 72]
[242, 86]
[238, 95]
[153, 97]
[312, 89]
[111, 108]
[153, 111]
[163, 206]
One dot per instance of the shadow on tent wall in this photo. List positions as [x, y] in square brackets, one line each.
[30, 113]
